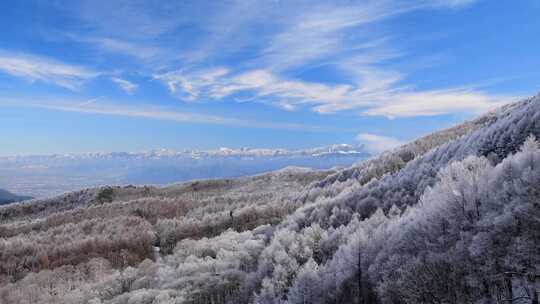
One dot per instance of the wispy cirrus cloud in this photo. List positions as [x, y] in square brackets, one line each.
[152, 112]
[126, 85]
[118, 46]
[192, 85]
[129, 19]
[35, 68]
[321, 33]
[453, 3]
[377, 93]
[342, 38]
[277, 42]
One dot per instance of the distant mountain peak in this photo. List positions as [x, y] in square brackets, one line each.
[332, 150]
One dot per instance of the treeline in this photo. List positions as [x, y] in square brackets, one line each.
[348, 197]
[127, 225]
[122, 240]
[472, 238]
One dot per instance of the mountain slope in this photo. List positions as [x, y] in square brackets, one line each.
[388, 185]
[449, 218]
[7, 197]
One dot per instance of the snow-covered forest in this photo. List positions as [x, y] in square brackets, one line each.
[453, 217]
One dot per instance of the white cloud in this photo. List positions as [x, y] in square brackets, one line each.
[281, 42]
[376, 144]
[270, 87]
[120, 46]
[190, 86]
[34, 68]
[126, 85]
[154, 113]
[376, 93]
[281, 34]
[431, 103]
[339, 36]
[260, 85]
[134, 19]
[453, 3]
[319, 33]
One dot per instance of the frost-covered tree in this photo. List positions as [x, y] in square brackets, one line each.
[307, 285]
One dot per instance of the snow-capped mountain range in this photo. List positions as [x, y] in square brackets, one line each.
[328, 151]
[46, 175]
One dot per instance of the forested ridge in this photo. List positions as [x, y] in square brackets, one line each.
[453, 217]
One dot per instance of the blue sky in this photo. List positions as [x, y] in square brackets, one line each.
[80, 76]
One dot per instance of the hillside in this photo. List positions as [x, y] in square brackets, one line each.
[451, 217]
[7, 197]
